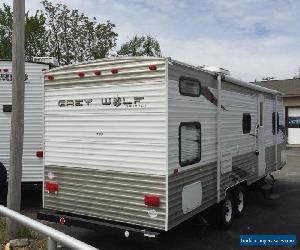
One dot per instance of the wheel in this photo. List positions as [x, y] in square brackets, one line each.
[239, 201]
[225, 212]
[3, 189]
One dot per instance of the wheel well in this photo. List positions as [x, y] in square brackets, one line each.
[243, 183]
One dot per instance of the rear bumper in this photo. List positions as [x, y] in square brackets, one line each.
[92, 223]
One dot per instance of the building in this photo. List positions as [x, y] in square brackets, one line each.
[291, 100]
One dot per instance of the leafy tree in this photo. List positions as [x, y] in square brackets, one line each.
[74, 37]
[35, 34]
[141, 46]
[6, 18]
[104, 39]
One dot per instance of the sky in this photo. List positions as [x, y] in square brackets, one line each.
[251, 38]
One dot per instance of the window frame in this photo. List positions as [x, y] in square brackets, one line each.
[261, 114]
[245, 125]
[198, 158]
[273, 123]
[181, 79]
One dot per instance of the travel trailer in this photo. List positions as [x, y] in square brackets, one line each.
[144, 143]
[32, 171]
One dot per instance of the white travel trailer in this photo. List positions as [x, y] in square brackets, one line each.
[145, 143]
[32, 176]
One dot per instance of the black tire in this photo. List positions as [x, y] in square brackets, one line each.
[239, 201]
[3, 182]
[225, 212]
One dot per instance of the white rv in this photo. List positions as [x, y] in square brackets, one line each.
[33, 123]
[145, 143]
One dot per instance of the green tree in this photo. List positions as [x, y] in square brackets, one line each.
[75, 37]
[140, 46]
[6, 18]
[104, 39]
[35, 34]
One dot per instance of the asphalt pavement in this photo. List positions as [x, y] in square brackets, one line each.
[281, 216]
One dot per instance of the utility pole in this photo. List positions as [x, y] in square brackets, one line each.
[17, 119]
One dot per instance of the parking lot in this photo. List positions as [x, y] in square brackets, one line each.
[262, 216]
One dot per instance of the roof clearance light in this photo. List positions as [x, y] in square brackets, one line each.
[51, 186]
[39, 154]
[152, 67]
[97, 72]
[114, 71]
[81, 74]
[152, 200]
[50, 78]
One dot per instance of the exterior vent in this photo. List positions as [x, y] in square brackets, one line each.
[216, 69]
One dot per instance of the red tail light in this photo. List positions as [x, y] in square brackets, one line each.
[51, 186]
[39, 154]
[152, 67]
[114, 71]
[5, 70]
[62, 221]
[152, 200]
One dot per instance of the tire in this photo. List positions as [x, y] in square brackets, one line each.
[3, 187]
[239, 201]
[225, 212]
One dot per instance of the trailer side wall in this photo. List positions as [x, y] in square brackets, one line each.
[239, 161]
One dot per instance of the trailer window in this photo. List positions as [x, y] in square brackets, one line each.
[261, 114]
[189, 86]
[189, 143]
[273, 123]
[246, 123]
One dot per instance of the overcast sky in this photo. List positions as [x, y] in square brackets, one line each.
[251, 38]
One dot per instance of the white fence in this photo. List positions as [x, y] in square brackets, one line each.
[54, 236]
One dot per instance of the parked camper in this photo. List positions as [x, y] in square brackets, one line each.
[144, 144]
[32, 176]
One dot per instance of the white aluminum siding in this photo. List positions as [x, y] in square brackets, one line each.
[106, 156]
[33, 120]
[108, 137]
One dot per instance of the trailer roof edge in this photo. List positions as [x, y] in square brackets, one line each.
[251, 85]
[7, 60]
[230, 79]
[107, 59]
[170, 60]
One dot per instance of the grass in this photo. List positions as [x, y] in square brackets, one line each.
[37, 242]
[2, 231]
